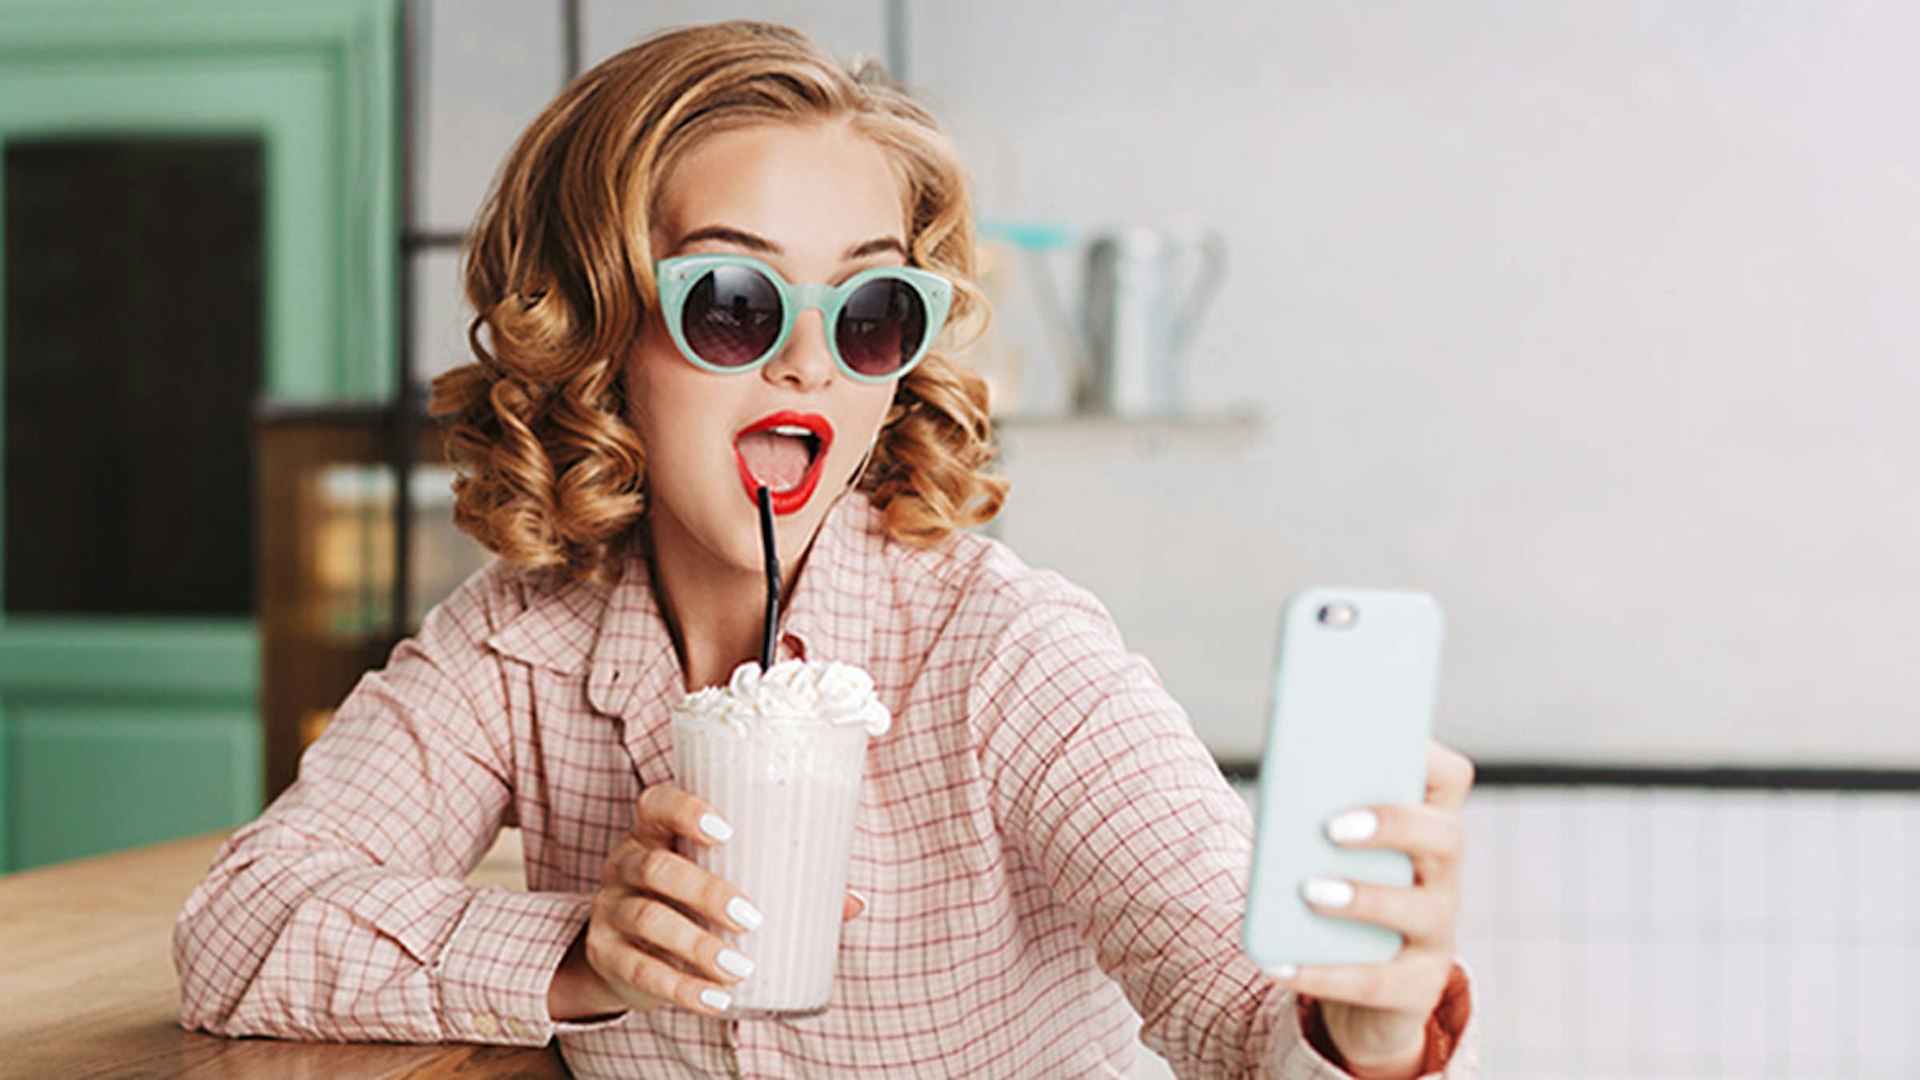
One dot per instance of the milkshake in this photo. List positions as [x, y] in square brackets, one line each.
[779, 754]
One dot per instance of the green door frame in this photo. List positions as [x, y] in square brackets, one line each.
[318, 81]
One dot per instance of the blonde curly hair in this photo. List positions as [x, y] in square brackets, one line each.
[559, 269]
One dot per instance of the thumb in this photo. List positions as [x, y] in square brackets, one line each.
[852, 906]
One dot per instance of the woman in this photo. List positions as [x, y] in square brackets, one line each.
[1043, 842]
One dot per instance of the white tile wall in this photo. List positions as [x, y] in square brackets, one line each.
[1632, 932]
[1653, 933]
[1672, 861]
[1887, 869]
[1746, 970]
[1677, 996]
[1743, 854]
[1888, 983]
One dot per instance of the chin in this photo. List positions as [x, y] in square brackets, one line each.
[738, 547]
[729, 532]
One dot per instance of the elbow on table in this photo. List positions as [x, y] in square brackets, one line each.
[212, 965]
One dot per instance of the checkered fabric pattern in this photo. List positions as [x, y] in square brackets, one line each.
[1050, 855]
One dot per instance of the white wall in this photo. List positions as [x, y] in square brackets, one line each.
[1591, 317]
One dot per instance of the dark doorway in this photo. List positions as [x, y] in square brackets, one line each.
[133, 345]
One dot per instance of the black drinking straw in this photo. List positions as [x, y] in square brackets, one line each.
[771, 555]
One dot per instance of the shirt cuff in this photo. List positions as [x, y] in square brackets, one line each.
[500, 962]
[1447, 1034]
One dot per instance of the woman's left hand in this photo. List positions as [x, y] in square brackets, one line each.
[1376, 1014]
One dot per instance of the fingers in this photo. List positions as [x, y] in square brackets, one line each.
[1432, 835]
[649, 937]
[1423, 916]
[645, 939]
[664, 811]
[647, 980]
[1433, 838]
[1449, 776]
[665, 931]
[663, 872]
[852, 906]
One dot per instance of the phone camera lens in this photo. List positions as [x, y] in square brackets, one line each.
[1338, 615]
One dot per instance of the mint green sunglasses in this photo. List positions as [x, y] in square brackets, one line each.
[733, 313]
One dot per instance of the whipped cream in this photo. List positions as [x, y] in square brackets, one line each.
[790, 692]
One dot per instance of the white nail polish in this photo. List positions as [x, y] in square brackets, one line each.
[716, 999]
[744, 913]
[1283, 971]
[715, 826]
[860, 896]
[1352, 826]
[1327, 892]
[735, 964]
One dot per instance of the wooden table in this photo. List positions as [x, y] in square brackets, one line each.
[87, 986]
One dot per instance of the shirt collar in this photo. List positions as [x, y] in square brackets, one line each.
[618, 636]
[559, 625]
[614, 634]
[633, 657]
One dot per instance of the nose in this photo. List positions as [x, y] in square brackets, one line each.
[803, 363]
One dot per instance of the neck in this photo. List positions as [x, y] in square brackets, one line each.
[714, 611]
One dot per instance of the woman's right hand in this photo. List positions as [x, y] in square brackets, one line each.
[648, 941]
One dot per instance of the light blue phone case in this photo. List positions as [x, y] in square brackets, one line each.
[1352, 713]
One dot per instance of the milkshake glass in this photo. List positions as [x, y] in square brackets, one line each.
[779, 754]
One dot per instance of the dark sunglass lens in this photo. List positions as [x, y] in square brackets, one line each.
[881, 326]
[731, 316]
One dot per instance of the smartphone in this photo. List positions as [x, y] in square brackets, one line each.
[1352, 713]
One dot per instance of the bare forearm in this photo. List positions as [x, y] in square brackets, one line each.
[577, 992]
[1403, 1067]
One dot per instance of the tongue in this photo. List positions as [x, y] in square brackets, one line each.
[778, 461]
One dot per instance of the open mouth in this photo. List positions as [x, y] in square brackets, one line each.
[784, 453]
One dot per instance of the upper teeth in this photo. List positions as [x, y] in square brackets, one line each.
[790, 429]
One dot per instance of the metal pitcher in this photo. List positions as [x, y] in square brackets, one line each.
[1138, 317]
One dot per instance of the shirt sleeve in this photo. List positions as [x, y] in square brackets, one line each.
[1099, 780]
[340, 913]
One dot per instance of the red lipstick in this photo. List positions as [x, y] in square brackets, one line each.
[795, 497]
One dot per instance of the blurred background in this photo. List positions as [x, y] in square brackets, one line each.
[1593, 318]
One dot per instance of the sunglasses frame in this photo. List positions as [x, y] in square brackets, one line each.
[677, 276]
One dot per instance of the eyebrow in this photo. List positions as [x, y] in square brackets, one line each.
[742, 238]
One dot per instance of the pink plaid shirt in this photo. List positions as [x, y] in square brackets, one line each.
[1049, 853]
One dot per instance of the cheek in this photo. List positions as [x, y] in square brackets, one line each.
[663, 411]
[652, 367]
[868, 414]
[639, 413]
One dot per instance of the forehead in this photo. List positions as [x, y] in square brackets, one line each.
[807, 188]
